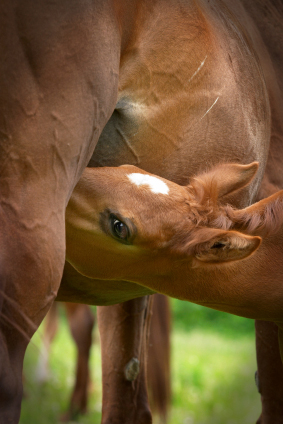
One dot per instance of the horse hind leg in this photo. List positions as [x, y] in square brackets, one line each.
[51, 324]
[81, 321]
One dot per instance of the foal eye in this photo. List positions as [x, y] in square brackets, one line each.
[119, 229]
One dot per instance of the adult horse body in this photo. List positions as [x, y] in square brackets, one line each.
[56, 97]
[196, 82]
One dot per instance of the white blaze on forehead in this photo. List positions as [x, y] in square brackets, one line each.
[155, 184]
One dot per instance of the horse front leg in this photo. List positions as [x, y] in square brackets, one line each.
[270, 373]
[124, 338]
[159, 357]
[32, 261]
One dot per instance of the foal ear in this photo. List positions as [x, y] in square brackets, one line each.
[225, 246]
[227, 178]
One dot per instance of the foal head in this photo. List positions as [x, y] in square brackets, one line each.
[124, 223]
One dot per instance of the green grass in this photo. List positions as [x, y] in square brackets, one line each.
[213, 365]
[188, 315]
[213, 379]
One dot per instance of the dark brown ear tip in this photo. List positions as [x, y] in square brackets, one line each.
[255, 244]
[251, 167]
[258, 240]
[254, 165]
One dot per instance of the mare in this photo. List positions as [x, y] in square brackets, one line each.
[173, 86]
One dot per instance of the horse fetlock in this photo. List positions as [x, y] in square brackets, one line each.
[132, 369]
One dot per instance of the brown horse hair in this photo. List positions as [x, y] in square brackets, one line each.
[12, 323]
[266, 222]
[207, 211]
[158, 364]
[206, 214]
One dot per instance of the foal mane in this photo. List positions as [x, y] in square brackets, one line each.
[206, 210]
[267, 221]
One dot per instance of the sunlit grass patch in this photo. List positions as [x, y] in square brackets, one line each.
[213, 379]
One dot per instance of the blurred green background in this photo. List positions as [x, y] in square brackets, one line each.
[213, 366]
